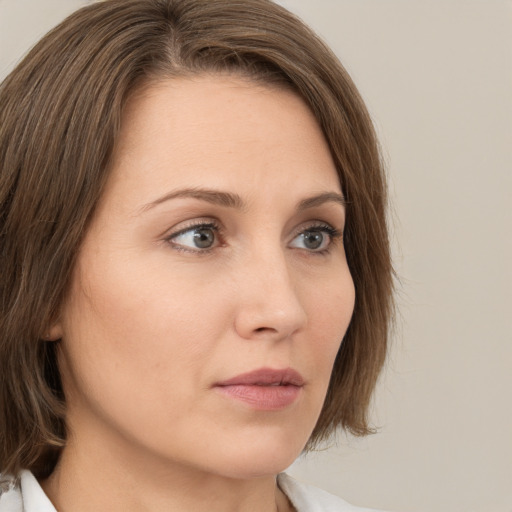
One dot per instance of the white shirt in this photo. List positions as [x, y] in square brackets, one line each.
[28, 496]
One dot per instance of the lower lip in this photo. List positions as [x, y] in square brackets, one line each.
[263, 398]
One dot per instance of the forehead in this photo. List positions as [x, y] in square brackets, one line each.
[220, 130]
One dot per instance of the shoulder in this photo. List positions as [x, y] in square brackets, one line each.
[306, 498]
[10, 494]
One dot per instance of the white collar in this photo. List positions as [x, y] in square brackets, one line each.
[34, 498]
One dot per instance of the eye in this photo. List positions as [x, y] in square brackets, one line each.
[316, 238]
[198, 237]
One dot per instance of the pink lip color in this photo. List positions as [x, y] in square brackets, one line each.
[264, 389]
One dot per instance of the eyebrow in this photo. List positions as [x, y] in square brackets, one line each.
[232, 200]
[320, 199]
[217, 197]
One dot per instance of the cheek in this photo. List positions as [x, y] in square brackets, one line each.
[331, 303]
[329, 310]
[131, 318]
[129, 338]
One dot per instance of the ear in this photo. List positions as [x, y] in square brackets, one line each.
[54, 332]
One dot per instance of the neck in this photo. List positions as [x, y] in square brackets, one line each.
[107, 476]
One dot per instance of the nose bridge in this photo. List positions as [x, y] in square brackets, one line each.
[271, 304]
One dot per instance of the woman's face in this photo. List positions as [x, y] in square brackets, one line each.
[215, 252]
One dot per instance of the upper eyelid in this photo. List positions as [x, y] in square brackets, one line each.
[214, 224]
[211, 225]
[191, 224]
[319, 224]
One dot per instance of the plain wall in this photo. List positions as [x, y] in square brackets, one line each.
[437, 77]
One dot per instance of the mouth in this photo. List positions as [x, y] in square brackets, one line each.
[264, 389]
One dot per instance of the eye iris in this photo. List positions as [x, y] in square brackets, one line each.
[313, 239]
[203, 238]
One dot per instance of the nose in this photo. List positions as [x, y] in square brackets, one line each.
[269, 306]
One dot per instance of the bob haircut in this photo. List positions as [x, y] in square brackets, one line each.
[60, 114]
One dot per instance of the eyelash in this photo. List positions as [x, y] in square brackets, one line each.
[320, 227]
[198, 225]
[333, 233]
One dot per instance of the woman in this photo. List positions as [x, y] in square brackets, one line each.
[196, 281]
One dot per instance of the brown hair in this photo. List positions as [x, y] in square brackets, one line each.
[60, 112]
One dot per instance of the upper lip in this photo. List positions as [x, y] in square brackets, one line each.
[266, 377]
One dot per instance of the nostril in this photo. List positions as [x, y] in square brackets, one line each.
[263, 329]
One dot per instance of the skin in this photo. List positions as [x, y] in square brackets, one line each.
[152, 322]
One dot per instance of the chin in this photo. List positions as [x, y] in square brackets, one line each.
[266, 455]
[246, 468]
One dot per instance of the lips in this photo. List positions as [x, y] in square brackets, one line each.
[266, 377]
[264, 389]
